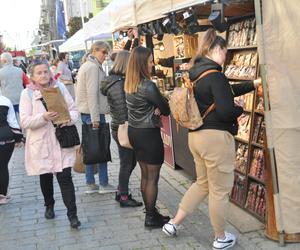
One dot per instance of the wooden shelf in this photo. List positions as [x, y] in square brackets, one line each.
[181, 60]
[241, 140]
[260, 112]
[248, 110]
[243, 47]
[240, 79]
[258, 145]
[236, 202]
[239, 172]
[260, 181]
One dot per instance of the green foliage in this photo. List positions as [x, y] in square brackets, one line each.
[75, 24]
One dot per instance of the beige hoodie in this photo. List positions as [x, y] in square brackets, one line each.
[89, 99]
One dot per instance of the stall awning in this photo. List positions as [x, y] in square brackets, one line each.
[99, 24]
[123, 14]
[74, 43]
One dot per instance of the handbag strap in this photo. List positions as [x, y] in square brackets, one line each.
[212, 106]
[45, 105]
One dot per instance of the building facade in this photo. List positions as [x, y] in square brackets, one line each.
[47, 25]
[72, 8]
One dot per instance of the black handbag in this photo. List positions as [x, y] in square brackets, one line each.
[96, 143]
[67, 136]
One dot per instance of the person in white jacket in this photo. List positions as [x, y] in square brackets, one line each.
[8, 125]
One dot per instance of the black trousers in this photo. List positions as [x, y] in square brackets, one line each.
[66, 185]
[127, 164]
[5, 155]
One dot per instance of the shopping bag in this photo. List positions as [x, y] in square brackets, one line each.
[96, 143]
[123, 135]
[79, 166]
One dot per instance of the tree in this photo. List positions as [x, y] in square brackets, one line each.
[75, 24]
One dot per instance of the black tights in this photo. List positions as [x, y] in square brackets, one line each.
[5, 155]
[149, 185]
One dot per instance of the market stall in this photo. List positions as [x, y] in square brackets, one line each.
[263, 133]
[266, 144]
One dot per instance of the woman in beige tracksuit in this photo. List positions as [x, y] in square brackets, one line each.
[212, 144]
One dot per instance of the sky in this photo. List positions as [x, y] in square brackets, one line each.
[19, 20]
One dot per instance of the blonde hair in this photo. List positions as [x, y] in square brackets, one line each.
[137, 69]
[121, 62]
[96, 46]
[209, 41]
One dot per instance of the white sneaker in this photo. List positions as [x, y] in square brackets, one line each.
[170, 228]
[91, 189]
[107, 189]
[226, 243]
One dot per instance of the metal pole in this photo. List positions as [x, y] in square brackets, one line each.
[268, 120]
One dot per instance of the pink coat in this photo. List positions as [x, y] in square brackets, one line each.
[43, 153]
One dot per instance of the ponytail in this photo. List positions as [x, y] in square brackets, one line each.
[209, 42]
[208, 39]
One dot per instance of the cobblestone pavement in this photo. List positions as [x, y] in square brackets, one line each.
[104, 224]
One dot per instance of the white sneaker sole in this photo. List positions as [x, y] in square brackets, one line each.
[168, 233]
[224, 248]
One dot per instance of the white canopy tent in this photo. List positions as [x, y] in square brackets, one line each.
[159, 8]
[99, 24]
[74, 43]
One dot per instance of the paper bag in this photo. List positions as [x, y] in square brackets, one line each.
[56, 103]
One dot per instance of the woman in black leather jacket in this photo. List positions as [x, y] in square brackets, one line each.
[145, 105]
[113, 87]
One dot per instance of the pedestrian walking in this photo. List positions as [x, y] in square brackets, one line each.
[65, 73]
[145, 105]
[43, 154]
[11, 80]
[93, 106]
[212, 144]
[113, 88]
[8, 126]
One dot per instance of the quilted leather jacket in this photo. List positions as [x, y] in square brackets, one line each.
[141, 106]
[113, 87]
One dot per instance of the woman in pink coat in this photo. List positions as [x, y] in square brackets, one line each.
[43, 154]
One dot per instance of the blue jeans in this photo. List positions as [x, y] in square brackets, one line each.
[102, 167]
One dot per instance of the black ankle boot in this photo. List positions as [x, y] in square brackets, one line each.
[49, 212]
[130, 202]
[74, 222]
[155, 219]
[164, 218]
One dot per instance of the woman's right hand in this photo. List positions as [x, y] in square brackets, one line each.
[50, 116]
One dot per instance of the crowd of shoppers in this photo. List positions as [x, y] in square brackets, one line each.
[129, 95]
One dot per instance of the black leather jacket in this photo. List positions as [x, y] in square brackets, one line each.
[113, 87]
[141, 106]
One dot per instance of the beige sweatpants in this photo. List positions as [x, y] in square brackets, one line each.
[214, 155]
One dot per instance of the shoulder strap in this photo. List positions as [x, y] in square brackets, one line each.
[205, 73]
[60, 86]
[110, 85]
[212, 106]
